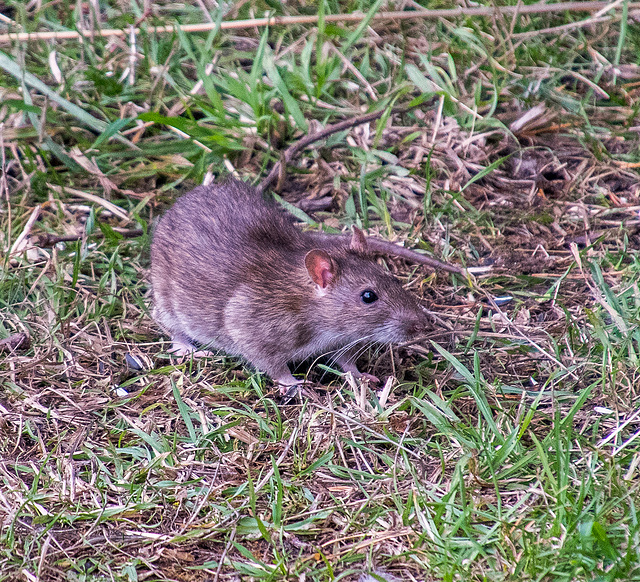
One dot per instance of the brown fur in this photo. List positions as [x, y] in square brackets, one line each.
[228, 272]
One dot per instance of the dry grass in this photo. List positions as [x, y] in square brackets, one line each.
[507, 447]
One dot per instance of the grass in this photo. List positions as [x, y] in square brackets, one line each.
[507, 447]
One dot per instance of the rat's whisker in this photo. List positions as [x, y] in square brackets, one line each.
[299, 353]
[347, 348]
[363, 347]
[362, 350]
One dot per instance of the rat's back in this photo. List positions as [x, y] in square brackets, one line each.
[207, 245]
[226, 218]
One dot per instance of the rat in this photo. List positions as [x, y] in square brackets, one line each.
[230, 271]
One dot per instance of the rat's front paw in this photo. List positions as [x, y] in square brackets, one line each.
[288, 384]
[368, 377]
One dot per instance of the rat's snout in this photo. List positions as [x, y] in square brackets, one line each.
[415, 325]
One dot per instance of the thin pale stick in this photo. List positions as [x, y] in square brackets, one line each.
[312, 19]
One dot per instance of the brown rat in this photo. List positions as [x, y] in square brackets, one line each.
[230, 271]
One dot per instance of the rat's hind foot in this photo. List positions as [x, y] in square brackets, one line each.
[288, 384]
[295, 392]
[289, 392]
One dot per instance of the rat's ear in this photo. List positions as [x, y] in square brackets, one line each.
[358, 241]
[321, 267]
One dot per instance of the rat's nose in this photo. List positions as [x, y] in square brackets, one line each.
[416, 326]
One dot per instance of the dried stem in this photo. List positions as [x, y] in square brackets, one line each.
[277, 172]
[312, 19]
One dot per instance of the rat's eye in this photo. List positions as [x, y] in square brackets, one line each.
[368, 296]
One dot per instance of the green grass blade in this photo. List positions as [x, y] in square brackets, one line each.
[97, 125]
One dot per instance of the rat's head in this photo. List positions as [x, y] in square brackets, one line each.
[359, 300]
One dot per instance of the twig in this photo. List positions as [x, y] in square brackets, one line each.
[19, 245]
[50, 240]
[312, 19]
[8, 20]
[14, 342]
[109, 206]
[355, 72]
[558, 29]
[277, 172]
[224, 554]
